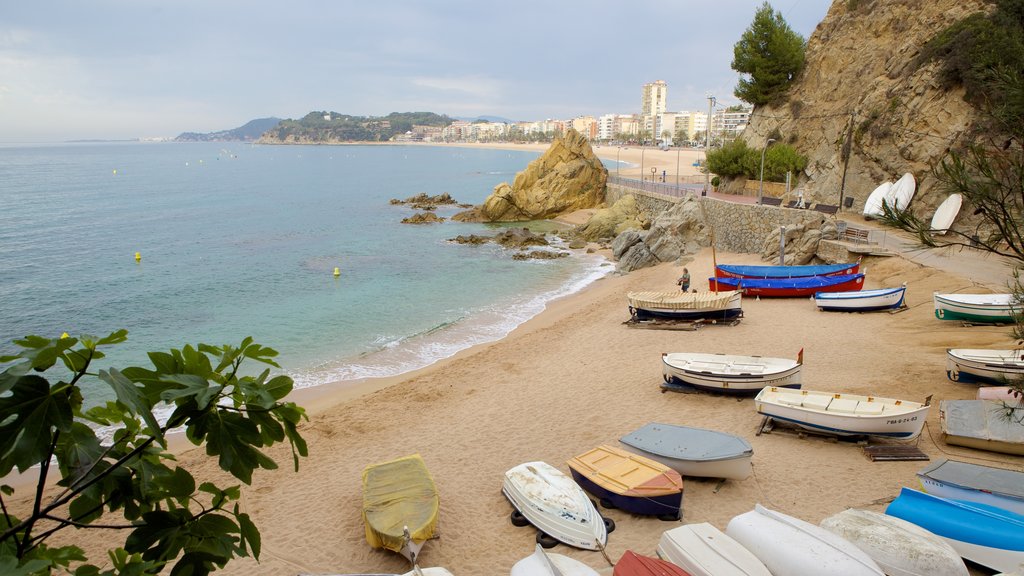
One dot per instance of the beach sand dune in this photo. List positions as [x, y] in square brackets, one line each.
[575, 377]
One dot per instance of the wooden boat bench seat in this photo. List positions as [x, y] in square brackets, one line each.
[870, 408]
[817, 402]
[791, 399]
[843, 406]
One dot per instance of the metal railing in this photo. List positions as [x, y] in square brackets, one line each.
[687, 185]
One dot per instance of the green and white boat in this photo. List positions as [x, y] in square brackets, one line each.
[985, 308]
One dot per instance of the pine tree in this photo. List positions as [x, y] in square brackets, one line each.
[768, 56]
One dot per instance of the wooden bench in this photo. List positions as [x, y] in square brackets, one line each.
[771, 201]
[858, 235]
[826, 208]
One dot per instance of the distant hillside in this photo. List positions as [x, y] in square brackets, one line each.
[331, 127]
[252, 130]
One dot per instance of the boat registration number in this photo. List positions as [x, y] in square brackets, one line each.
[901, 420]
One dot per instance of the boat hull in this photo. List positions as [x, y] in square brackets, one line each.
[984, 534]
[978, 308]
[843, 414]
[397, 495]
[968, 482]
[979, 366]
[897, 546]
[703, 550]
[729, 374]
[555, 505]
[542, 563]
[685, 306]
[790, 546]
[789, 287]
[633, 564]
[981, 424]
[800, 271]
[693, 451]
[861, 300]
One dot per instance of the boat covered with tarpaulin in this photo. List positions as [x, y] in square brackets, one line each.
[400, 505]
[798, 271]
[789, 287]
[723, 305]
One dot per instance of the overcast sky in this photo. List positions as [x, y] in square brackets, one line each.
[114, 69]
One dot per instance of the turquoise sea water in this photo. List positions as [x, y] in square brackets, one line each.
[239, 240]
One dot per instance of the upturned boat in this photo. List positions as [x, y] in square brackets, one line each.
[555, 505]
[842, 414]
[861, 300]
[693, 451]
[791, 546]
[633, 564]
[628, 481]
[984, 366]
[729, 373]
[978, 308]
[400, 505]
[542, 563]
[897, 546]
[983, 424]
[990, 536]
[798, 271]
[969, 482]
[789, 287]
[703, 550]
[723, 305]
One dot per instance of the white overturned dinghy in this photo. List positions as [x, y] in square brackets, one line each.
[541, 563]
[693, 451]
[842, 414]
[555, 505]
[703, 550]
[793, 547]
[900, 548]
[729, 373]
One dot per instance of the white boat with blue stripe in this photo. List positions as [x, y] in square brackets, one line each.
[861, 300]
[984, 366]
[841, 414]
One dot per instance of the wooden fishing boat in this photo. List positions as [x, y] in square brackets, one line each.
[633, 564]
[968, 482]
[693, 451]
[842, 414]
[984, 366]
[542, 563]
[629, 481]
[789, 287]
[728, 373]
[897, 546]
[979, 308]
[791, 546]
[722, 305]
[703, 550]
[983, 424]
[990, 536]
[556, 505]
[861, 300]
[400, 505]
[799, 271]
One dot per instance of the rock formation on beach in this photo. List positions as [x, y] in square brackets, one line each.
[610, 222]
[567, 177]
[423, 218]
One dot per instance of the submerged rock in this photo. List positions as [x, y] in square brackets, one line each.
[423, 218]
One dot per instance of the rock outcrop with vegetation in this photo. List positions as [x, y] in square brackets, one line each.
[567, 177]
[610, 222]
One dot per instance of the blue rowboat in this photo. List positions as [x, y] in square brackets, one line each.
[990, 536]
[861, 300]
[789, 287]
[983, 308]
[759, 271]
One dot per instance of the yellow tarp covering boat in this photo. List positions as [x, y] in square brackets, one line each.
[680, 300]
[397, 495]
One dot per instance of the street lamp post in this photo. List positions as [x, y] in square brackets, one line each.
[677, 166]
[617, 150]
[642, 150]
[760, 191]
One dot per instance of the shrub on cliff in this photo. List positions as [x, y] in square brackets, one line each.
[768, 57]
[738, 159]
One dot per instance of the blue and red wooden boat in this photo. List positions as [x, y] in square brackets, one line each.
[789, 287]
[761, 271]
[630, 482]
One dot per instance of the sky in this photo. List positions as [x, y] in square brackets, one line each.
[124, 69]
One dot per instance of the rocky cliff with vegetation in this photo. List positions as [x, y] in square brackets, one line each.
[567, 177]
[865, 88]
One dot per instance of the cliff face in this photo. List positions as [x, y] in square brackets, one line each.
[567, 177]
[860, 80]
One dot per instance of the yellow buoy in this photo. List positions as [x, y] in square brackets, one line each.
[138, 256]
[337, 271]
[64, 335]
[115, 171]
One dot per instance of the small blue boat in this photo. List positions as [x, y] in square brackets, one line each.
[990, 536]
[861, 300]
[761, 271]
[789, 287]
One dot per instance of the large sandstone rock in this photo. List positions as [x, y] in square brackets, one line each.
[859, 78]
[567, 177]
[678, 231]
[610, 222]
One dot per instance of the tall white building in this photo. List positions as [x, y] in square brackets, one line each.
[654, 99]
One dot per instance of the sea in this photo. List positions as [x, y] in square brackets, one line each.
[237, 240]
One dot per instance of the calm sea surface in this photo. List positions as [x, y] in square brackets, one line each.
[239, 240]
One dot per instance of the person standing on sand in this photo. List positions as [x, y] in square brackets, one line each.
[684, 281]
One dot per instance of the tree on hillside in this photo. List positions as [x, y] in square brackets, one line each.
[167, 519]
[768, 57]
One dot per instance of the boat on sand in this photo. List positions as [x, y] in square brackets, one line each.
[400, 505]
[703, 550]
[729, 373]
[629, 481]
[842, 414]
[693, 451]
[633, 564]
[964, 481]
[555, 505]
[722, 305]
[991, 425]
[861, 300]
[976, 308]
[789, 287]
[542, 563]
[791, 546]
[897, 546]
[984, 365]
[762, 271]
